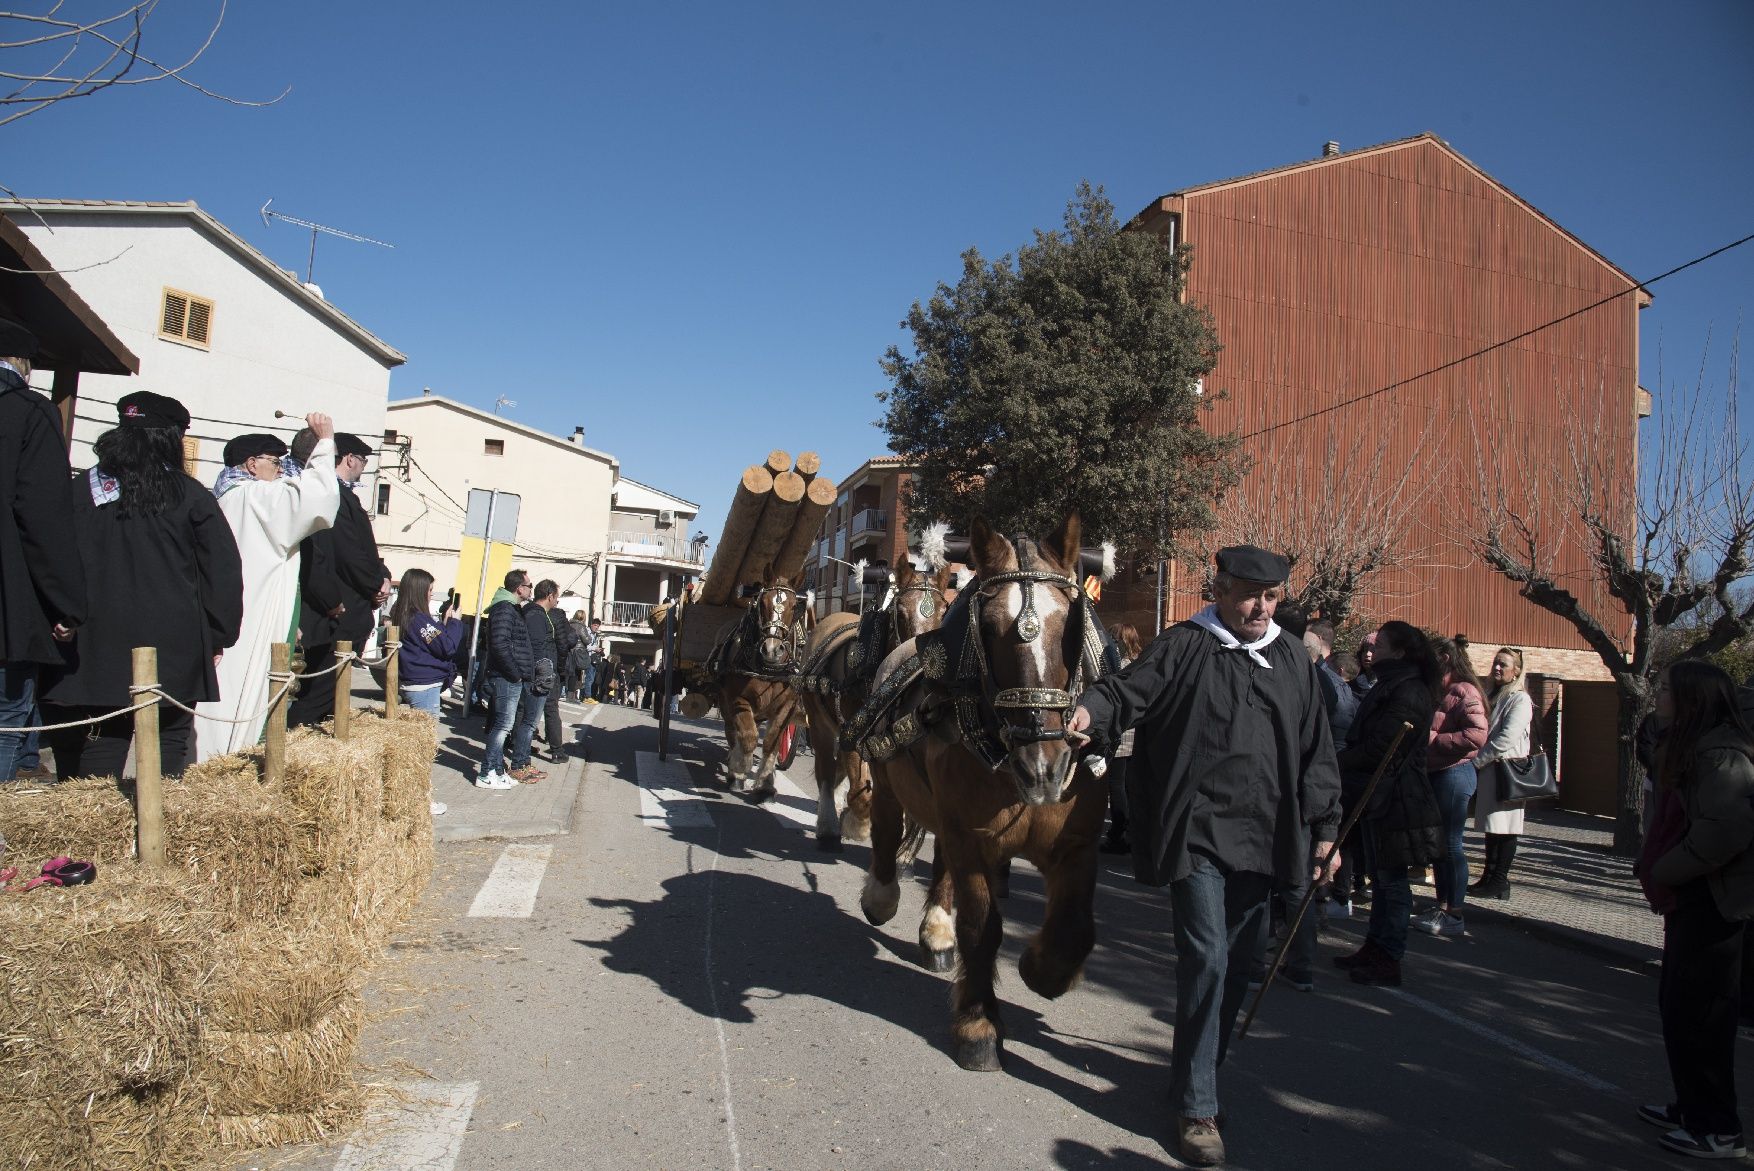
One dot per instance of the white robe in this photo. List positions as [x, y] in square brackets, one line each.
[269, 518]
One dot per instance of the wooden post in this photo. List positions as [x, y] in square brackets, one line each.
[392, 671]
[343, 690]
[148, 797]
[274, 741]
[65, 397]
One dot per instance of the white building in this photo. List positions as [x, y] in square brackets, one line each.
[216, 324]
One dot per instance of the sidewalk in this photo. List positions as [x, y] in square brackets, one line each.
[1569, 887]
[527, 811]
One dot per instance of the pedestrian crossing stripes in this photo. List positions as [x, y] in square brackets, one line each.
[419, 1125]
[664, 798]
[510, 889]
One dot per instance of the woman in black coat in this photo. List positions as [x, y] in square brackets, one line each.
[1400, 827]
[162, 570]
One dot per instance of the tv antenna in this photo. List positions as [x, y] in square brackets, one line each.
[503, 401]
[268, 218]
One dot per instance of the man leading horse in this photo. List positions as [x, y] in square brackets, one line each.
[1232, 777]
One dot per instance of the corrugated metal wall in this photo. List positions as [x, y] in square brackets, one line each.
[1337, 280]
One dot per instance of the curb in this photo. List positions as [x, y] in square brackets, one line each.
[1602, 947]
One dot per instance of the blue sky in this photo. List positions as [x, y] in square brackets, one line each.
[694, 228]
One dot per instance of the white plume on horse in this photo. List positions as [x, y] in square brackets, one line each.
[932, 545]
[1108, 561]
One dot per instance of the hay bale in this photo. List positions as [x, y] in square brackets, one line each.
[281, 975]
[112, 1131]
[409, 744]
[245, 1072]
[336, 790]
[328, 1119]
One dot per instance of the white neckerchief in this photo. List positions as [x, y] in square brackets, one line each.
[1207, 620]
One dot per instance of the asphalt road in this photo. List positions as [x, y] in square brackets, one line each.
[694, 987]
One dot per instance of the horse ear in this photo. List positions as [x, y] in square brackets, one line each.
[942, 579]
[904, 574]
[1063, 545]
[987, 547]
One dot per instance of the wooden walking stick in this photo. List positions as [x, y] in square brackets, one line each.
[1302, 907]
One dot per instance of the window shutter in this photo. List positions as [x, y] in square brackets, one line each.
[176, 314]
[200, 318]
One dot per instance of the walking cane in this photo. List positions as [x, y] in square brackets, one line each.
[1291, 928]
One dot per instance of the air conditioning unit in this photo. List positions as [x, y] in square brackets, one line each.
[666, 517]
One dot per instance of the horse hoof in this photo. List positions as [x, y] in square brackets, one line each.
[880, 901]
[937, 961]
[980, 1055]
[1049, 987]
[828, 845]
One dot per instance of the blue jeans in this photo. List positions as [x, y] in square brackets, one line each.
[1453, 787]
[1219, 922]
[18, 694]
[1389, 911]
[423, 699]
[507, 698]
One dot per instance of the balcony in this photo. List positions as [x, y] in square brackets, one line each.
[655, 547]
[628, 614]
[870, 520]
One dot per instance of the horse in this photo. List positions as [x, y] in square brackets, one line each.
[965, 732]
[752, 668]
[842, 655]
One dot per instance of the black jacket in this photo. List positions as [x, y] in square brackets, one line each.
[173, 581]
[42, 580]
[340, 565]
[1402, 816]
[550, 636]
[510, 654]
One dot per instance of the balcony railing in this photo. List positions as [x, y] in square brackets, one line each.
[871, 520]
[657, 545]
[627, 613]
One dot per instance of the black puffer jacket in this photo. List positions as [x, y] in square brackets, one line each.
[1402, 818]
[509, 653]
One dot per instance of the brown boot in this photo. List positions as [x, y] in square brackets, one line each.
[1201, 1144]
[1363, 957]
[1383, 970]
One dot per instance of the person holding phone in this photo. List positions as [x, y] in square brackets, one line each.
[429, 645]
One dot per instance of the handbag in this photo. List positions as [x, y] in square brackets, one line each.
[1527, 779]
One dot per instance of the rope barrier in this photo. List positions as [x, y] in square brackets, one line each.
[126, 711]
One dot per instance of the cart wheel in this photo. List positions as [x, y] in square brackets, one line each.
[788, 746]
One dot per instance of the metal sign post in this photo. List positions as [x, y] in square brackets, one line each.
[492, 516]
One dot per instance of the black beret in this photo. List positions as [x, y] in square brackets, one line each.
[15, 340]
[346, 443]
[1247, 563]
[145, 409]
[255, 443]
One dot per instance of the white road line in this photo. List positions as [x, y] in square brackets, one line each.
[1527, 1052]
[784, 783]
[712, 991]
[418, 1129]
[510, 890]
[662, 796]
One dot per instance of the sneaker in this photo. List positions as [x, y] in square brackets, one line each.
[1302, 984]
[592, 701]
[528, 775]
[1431, 922]
[439, 808]
[1339, 910]
[1661, 1117]
[1450, 926]
[1201, 1144]
[495, 780]
[1704, 1146]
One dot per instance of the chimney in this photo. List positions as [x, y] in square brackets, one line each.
[1330, 148]
[577, 437]
[426, 390]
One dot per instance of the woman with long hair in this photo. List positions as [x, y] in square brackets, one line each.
[1458, 732]
[1124, 643]
[1399, 828]
[162, 570]
[1698, 873]
[1509, 733]
[429, 645]
[271, 504]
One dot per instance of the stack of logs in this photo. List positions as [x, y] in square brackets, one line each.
[773, 520]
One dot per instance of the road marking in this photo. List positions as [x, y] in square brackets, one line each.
[1521, 1049]
[510, 890]
[419, 1127]
[712, 991]
[663, 799]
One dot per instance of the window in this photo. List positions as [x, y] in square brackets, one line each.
[496, 447]
[184, 317]
[389, 435]
[383, 500]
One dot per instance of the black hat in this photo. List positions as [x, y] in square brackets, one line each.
[145, 409]
[347, 443]
[1247, 563]
[256, 443]
[15, 340]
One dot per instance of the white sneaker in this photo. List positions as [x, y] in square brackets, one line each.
[1450, 926]
[438, 808]
[1338, 909]
[496, 780]
[1430, 922]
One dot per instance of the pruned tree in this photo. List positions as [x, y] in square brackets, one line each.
[73, 51]
[1343, 513]
[1066, 376]
[1664, 528]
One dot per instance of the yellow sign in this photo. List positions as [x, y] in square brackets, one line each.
[469, 557]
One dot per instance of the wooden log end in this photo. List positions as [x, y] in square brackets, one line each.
[808, 464]
[779, 461]
[789, 487]
[821, 491]
[758, 479]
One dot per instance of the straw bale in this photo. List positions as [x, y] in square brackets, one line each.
[370, 894]
[112, 1131]
[336, 788]
[409, 744]
[282, 974]
[330, 1118]
[268, 1073]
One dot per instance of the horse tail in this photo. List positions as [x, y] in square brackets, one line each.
[913, 840]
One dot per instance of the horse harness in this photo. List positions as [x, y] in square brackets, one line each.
[739, 651]
[953, 663]
[878, 633]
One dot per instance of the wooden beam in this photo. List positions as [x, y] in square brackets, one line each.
[65, 397]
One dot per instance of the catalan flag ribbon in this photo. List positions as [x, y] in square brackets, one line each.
[1093, 587]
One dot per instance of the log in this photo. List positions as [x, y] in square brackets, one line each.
[779, 461]
[809, 463]
[776, 525]
[806, 527]
[745, 513]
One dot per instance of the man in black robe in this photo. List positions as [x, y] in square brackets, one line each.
[42, 582]
[342, 581]
[1233, 775]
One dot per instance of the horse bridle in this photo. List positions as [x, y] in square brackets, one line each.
[926, 607]
[775, 629]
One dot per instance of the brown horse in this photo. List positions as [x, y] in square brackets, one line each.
[752, 669]
[965, 733]
[842, 656]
